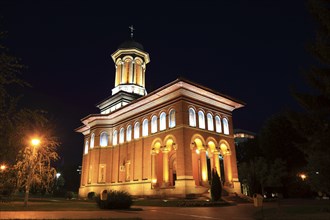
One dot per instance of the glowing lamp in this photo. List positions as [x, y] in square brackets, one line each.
[3, 167]
[35, 142]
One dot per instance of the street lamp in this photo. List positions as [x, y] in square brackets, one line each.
[58, 175]
[35, 143]
[3, 167]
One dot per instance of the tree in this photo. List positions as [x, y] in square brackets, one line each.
[34, 162]
[10, 66]
[216, 187]
[314, 122]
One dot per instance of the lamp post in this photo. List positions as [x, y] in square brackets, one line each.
[32, 163]
[3, 167]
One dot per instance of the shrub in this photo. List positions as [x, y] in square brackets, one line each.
[115, 200]
[69, 195]
[216, 186]
[91, 195]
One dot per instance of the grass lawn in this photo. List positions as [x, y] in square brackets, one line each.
[60, 204]
[49, 204]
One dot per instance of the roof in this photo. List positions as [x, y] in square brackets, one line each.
[131, 44]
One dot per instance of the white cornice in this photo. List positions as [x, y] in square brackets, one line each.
[180, 88]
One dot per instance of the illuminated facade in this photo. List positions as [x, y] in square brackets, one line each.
[162, 143]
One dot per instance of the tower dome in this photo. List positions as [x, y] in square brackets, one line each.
[129, 44]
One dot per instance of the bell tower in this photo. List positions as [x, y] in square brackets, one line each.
[130, 61]
[130, 67]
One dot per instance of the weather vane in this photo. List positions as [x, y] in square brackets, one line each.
[132, 30]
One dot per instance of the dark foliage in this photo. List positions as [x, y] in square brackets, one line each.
[114, 200]
[313, 122]
[216, 187]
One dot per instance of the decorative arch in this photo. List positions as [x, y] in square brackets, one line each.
[170, 142]
[199, 161]
[155, 145]
[155, 162]
[224, 147]
[197, 141]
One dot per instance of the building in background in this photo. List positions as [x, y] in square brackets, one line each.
[241, 136]
[162, 143]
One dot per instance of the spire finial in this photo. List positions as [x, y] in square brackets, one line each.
[132, 30]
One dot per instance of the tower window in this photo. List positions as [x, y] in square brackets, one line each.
[145, 127]
[210, 125]
[201, 120]
[104, 139]
[192, 117]
[162, 121]
[154, 124]
[136, 130]
[225, 126]
[171, 119]
[129, 133]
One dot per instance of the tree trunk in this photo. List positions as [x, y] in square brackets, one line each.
[26, 197]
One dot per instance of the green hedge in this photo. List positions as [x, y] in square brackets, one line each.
[114, 200]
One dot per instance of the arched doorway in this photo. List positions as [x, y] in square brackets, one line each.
[199, 162]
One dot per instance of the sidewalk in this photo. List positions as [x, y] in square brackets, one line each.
[238, 212]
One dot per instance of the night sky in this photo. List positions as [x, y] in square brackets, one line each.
[252, 50]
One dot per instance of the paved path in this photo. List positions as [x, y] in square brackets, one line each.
[238, 212]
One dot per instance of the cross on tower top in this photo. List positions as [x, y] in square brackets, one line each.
[132, 30]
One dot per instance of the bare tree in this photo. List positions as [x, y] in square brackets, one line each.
[34, 163]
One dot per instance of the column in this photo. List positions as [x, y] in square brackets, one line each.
[227, 164]
[153, 168]
[217, 163]
[165, 168]
[203, 165]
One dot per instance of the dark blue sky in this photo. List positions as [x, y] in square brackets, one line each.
[252, 50]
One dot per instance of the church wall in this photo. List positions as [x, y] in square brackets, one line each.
[138, 152]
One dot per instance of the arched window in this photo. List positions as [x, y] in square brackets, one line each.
[121, 135]
[162, 121]
[104, 139]
[136, 130]
[210, 125]
[218, 124]
[225, 126]
[145, 127]
[171, 119]
[201, 120]
[129, 133]
[115, 138]
[154, 124]
[192, 117]
[92, 141]
[86, 147]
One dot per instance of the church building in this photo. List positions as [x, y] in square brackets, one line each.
[165, 142]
